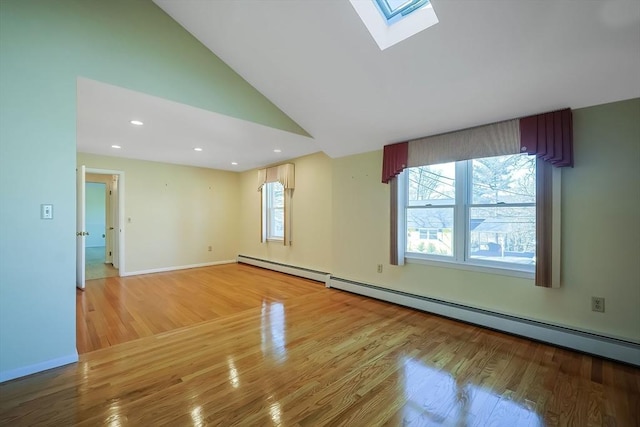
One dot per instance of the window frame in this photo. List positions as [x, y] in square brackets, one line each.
[268, 196]
[461, 252]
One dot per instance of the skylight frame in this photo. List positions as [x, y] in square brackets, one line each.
[392, 14]
[387, 34]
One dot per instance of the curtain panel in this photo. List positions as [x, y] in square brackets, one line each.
[285, 175]
[394, 160]
[549, 136]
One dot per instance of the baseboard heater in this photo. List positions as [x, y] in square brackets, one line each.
[307, 273]
[610, 348]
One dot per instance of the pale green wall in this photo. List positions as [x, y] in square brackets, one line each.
[176, 212]
[311, 217]
[44, 46]
[600, 235]
[95, 213]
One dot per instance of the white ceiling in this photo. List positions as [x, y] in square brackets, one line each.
[484, 61]
[172, 130]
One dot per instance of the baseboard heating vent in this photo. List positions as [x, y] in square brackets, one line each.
[607, 347]
[307, 273]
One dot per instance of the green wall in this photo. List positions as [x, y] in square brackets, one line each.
[44, 46]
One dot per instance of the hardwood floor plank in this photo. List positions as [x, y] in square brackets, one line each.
[238, 345]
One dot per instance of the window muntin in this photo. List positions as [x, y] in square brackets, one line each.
[482, 211]
[274, 208]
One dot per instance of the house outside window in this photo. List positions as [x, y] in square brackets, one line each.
[479, 212]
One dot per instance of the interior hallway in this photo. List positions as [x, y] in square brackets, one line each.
[95, 267]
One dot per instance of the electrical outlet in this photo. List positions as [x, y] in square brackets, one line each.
[209, 248]
[597, 304]
[379, 268]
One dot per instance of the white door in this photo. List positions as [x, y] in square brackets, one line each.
[80, 226]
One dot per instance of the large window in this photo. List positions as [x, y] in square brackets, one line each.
[479, 212]
[273, 194]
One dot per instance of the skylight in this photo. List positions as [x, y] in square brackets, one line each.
[397, 9]
[392, 21]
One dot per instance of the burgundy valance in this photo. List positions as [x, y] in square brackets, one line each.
[549, 136]
[394, 160]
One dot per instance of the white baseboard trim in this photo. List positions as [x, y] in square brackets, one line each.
[181, 267]
[38, 367]
[307, 273]
[586, 342]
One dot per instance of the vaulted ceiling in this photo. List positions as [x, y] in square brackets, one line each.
[483, 62]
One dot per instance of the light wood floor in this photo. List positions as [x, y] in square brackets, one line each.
[256, 348]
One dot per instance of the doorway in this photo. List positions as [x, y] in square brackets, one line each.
[99, 226]
[100, 233]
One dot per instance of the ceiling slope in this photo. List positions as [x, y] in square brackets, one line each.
[483, 62]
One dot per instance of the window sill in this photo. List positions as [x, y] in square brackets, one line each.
[275, 239]
[411, 259]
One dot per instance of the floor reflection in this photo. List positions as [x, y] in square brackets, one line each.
[434, 397]
[273, 332]
[114, 417]
[276, 413]
[196, 417]
[234, 378]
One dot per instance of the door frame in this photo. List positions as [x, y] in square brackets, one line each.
[120, 262]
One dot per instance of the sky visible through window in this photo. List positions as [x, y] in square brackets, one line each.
[394, 10]
[392, 21]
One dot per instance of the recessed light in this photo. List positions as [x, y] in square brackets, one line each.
[136, 122]
[116, 146]
[234, 163]
[197, 149]
[277, 150]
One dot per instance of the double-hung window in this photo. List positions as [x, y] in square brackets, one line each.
[477, 212]
[273, 194]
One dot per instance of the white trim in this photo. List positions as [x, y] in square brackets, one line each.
[179, 267]
[461, 258]
[469, 266]
[38, 367]
[318, 276]
[584, 341]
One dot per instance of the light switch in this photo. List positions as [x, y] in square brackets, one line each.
[46, 211]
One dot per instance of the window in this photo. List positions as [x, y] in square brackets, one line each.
[479, 212]
[392, 21]
[396, 9]
[274, 210]
[276, 185]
